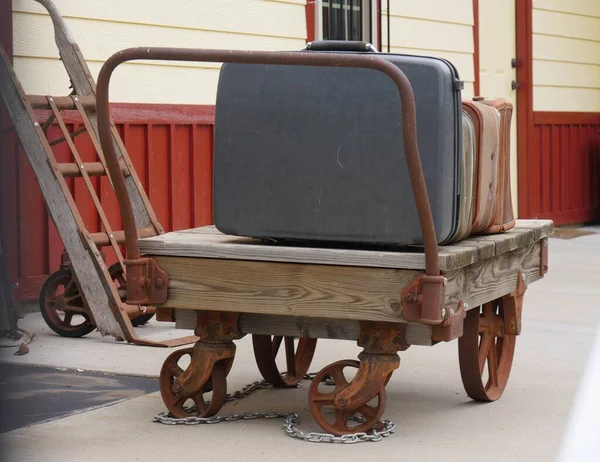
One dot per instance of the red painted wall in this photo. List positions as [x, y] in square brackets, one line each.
[171, 149]
[563, 168]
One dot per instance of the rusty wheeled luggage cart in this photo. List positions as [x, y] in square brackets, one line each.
[84, 294]
[386, 301]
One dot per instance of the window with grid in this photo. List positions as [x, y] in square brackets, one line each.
[346, 20]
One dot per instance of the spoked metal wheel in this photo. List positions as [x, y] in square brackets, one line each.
[63, 307]
[118, 276]
[180, 406]
[321, 399]
[485, 352]
[298, 356]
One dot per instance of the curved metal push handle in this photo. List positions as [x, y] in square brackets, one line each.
[368, 61]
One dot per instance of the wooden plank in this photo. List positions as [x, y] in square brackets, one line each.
[207, 242]
[343, 329]
[291, 289]
[494, 277]
[508, 241]
[239, 248]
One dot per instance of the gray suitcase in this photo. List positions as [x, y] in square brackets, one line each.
[316, 153]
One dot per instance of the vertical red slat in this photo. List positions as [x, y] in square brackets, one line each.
[555, 184]
[585, 166]
[9, 224]
[564, 167]
[181, 187]
[158, 168]
[572, 163]
[595, 167]
[534, 167]
[578, 178]
[55, 245]
[137, 148]
[202, 174]
[546, 165]
[33, 230]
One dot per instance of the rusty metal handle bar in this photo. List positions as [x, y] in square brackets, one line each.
[409, 126]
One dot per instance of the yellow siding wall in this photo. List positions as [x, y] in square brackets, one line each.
[441, 28]
[566, 55]
[102, 27]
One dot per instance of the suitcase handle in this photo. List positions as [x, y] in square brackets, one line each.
[340, 45]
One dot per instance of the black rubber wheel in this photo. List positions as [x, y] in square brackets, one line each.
[116, 273]
[60, 294]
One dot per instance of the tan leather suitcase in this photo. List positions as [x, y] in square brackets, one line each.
[486, 120]
[504, 217]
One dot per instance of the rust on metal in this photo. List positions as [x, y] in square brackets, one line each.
[297, 358]
[373, 374]
[544, 256]
[73, 170]
[205, 356]
[218, 326]
[175, 397]
[64, 103]
[322, 399]
[422, 300]
[150, 283]
[430, 290]
[486, 349]
[382, 337]
[452, 326]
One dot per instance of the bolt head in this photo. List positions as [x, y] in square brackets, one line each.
[443, 312]
[523, 277]
[465, 306]
[545, 242]
[445, 281]
[159, 282]
[451, 311]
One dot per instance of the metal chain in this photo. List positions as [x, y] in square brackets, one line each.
[290, 422]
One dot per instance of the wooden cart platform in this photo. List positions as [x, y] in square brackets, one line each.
[330, 289]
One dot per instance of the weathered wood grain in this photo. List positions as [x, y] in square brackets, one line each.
[321, 291]
[343, 329]
[494, 277]
[207, 242]
[239, 248]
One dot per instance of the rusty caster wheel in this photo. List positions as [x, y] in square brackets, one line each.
[485, 352]
[179, 406]
[63, 307]
[297, 359]
[116, 272]
[340, 421]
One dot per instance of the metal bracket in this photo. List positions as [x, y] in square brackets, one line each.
[422, 300]
[544, 256]
[452, 325]
[147, 284]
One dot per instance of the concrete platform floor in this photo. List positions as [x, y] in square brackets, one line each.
[436, 420]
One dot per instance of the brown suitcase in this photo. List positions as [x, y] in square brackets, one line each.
[504, 218]
[469, 169]
[486, 120]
